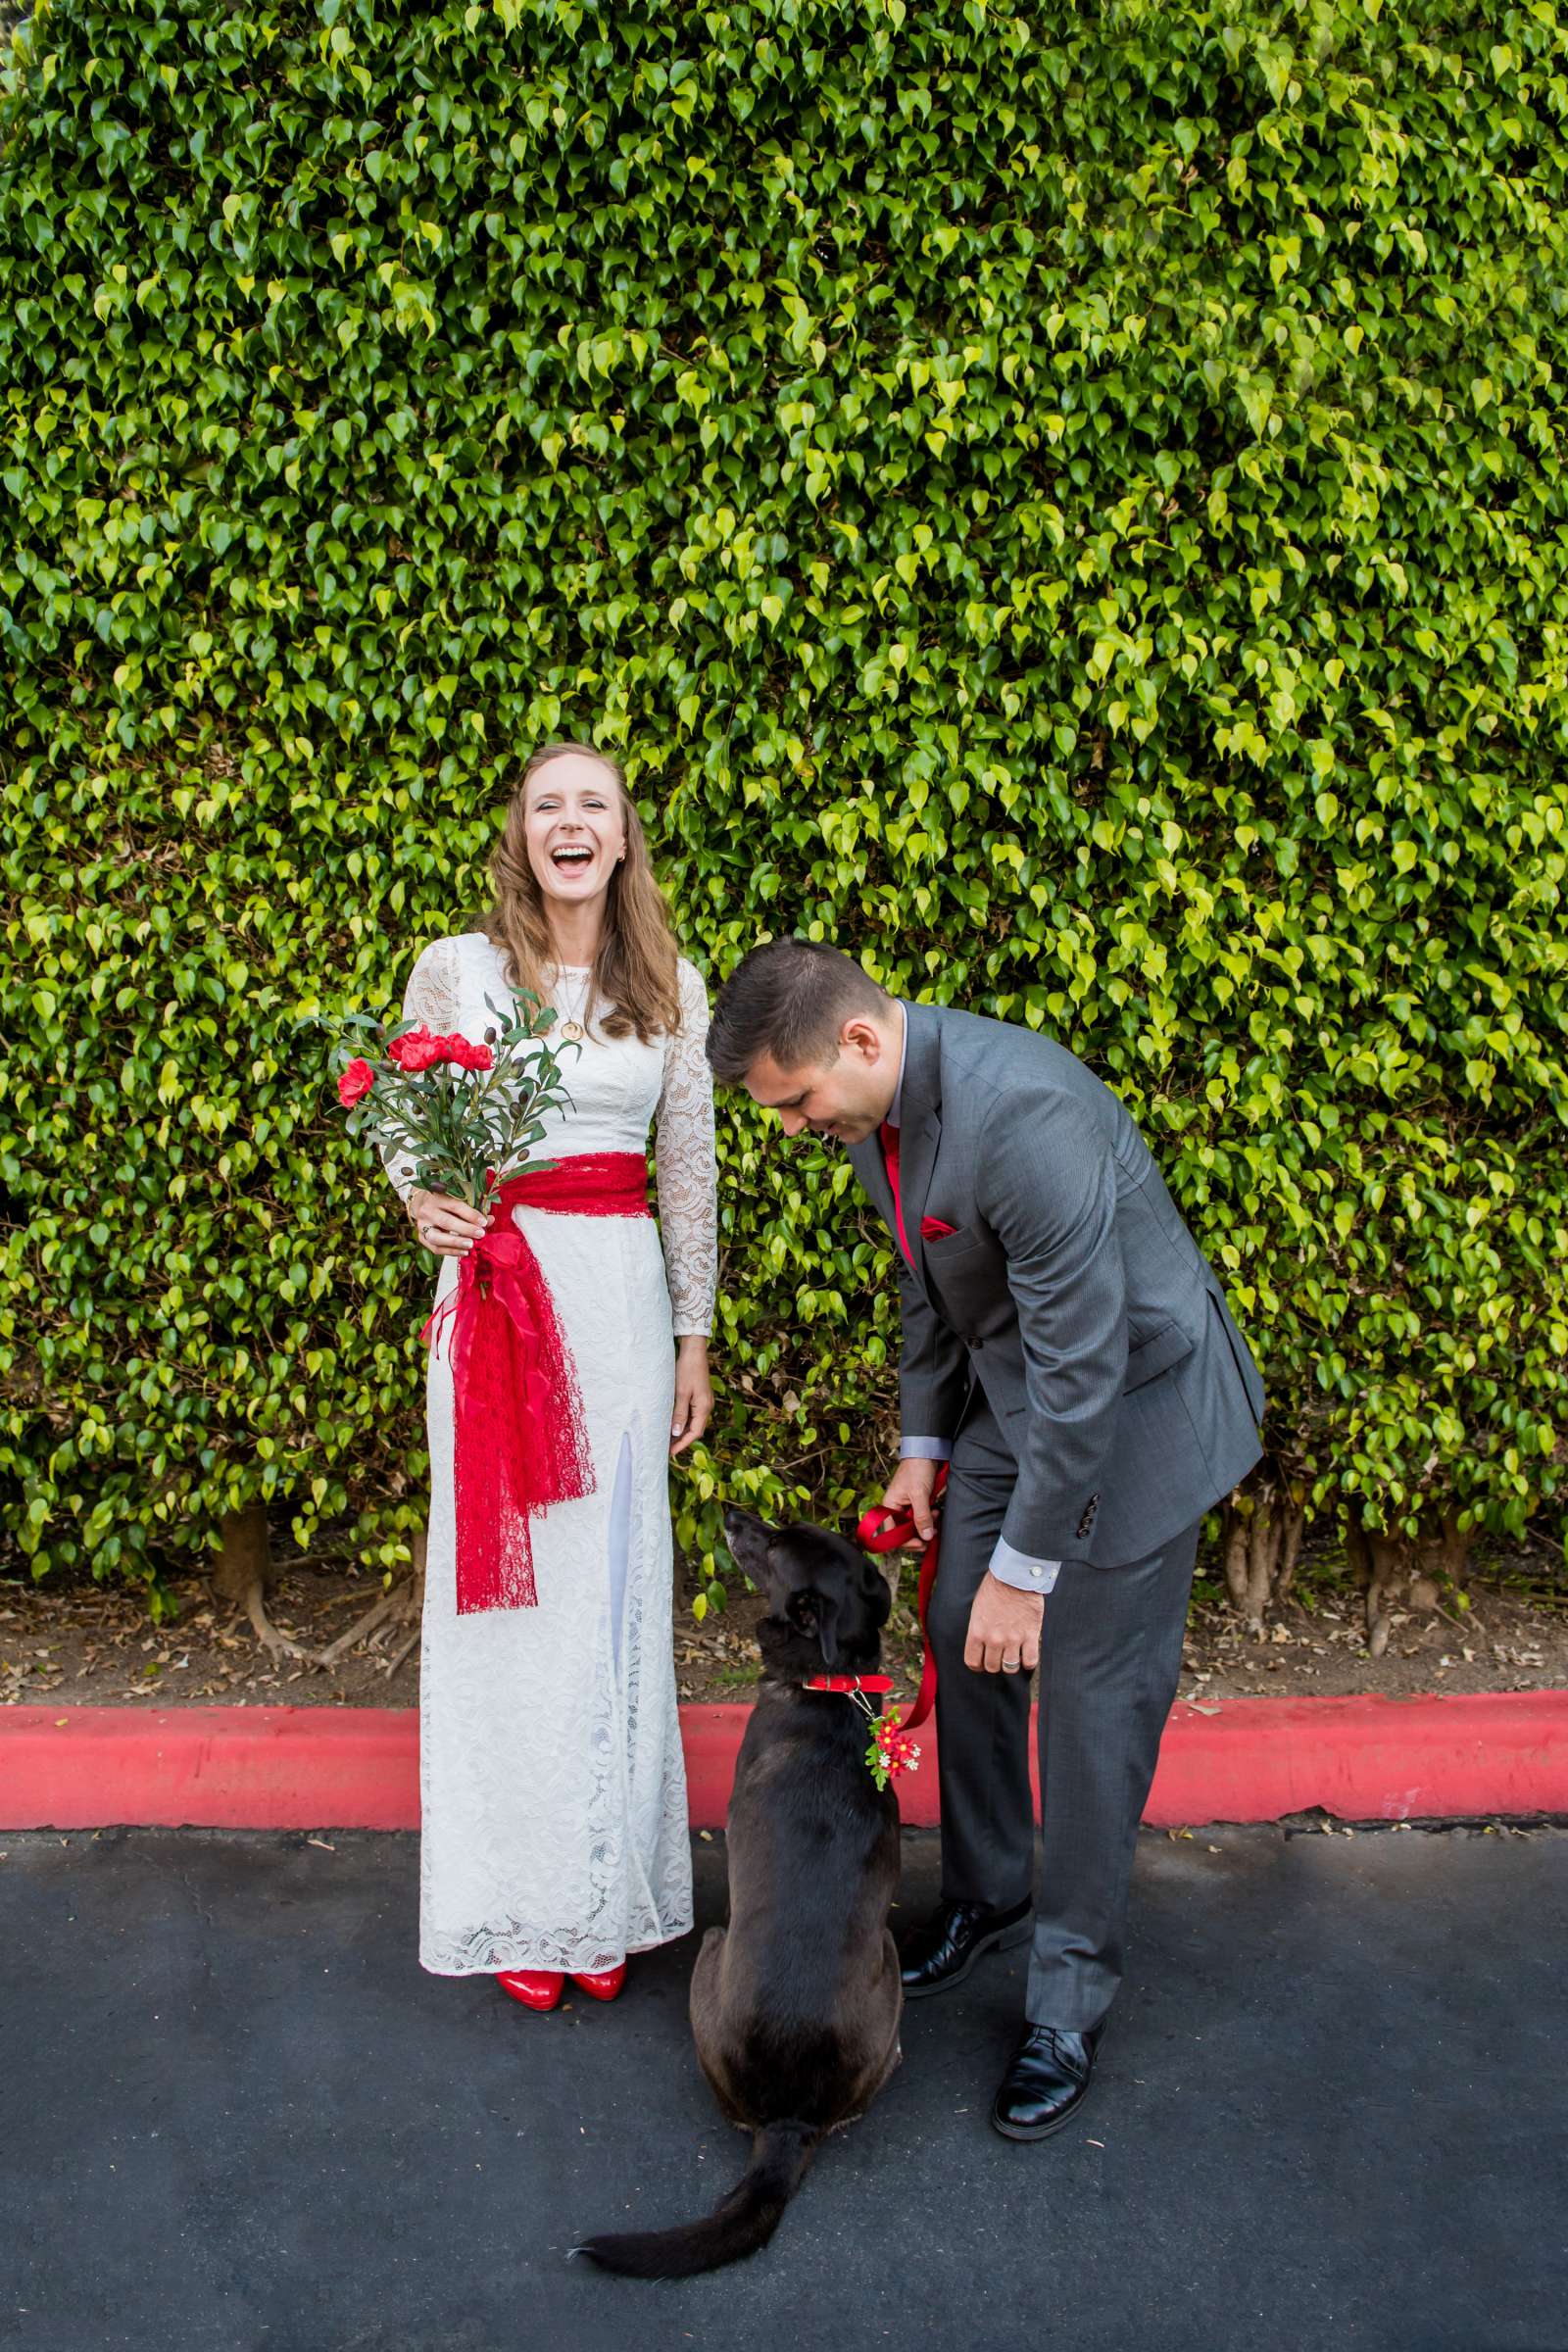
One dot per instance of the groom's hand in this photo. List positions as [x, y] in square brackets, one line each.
[1003, 1629]
[909, 1490]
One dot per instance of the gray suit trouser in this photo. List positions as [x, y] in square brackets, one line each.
[1111, 1655]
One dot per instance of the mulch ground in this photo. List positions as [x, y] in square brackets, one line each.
[97, 1646]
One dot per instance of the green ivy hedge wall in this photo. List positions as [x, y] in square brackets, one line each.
[1066, 501]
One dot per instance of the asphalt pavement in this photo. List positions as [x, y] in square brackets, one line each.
[1330, 2111]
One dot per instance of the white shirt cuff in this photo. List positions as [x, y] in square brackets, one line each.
[1010, 1567]
[924, 1450]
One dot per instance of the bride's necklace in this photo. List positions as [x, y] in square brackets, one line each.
[571, 1028]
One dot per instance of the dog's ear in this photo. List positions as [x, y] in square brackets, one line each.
[816, 1612]
[750, 1540]
[877, 1594]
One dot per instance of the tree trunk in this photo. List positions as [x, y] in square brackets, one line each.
[403, 1605]
[244, 1565]
[1290, 1550]
[1263, 1531]
[243, 1561]
[1386, 1566]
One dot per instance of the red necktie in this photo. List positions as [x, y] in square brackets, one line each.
[890, 1155]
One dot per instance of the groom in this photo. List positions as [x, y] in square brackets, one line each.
[1067, 1351]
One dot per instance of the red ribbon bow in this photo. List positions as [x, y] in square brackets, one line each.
[519, 1440]
[520, 1435]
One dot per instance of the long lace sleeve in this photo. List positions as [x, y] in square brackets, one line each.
[688, 1177]
[431, 997]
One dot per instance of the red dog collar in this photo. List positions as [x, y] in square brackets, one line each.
[848, 1681]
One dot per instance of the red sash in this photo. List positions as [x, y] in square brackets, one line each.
[520, 1442]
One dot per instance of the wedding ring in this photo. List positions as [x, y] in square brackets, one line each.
[1010, 1665]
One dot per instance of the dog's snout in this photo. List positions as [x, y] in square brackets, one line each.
[749, 1540]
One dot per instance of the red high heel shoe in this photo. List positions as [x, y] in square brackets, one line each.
[605, 1986]
[534, 1987]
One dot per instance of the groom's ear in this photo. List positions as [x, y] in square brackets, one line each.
[861, 1037]
[750, 1539]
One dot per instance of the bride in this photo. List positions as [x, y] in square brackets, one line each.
[551, 1783]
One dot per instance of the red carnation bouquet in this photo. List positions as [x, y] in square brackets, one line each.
[465, 1115]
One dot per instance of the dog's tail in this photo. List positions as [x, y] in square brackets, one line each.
[746, 2220]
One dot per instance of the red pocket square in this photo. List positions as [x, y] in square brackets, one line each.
[932, 1229]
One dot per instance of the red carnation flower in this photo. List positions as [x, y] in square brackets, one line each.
[356, 1081]
[465, 1056]
[416, 1049]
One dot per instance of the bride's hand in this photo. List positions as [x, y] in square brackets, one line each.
[693, 1394]
[447, 1226]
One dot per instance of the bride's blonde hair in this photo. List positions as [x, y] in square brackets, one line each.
[634, 977]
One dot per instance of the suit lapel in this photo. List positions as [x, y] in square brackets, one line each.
[869, 1167]
[920, 1125]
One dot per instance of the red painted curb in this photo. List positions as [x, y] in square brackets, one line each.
[218, 1768]
[1238, 1759]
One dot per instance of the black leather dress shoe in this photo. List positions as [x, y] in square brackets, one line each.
[1046, 2082]
[943, 1950]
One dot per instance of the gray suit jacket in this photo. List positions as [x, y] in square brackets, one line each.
[1070, 1290]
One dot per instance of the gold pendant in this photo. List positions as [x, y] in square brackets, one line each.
[572, 1032]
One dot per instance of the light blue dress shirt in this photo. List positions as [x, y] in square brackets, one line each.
[1008, 1566]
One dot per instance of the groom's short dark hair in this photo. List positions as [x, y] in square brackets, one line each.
[789, 999]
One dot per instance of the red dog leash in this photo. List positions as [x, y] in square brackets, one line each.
[892, 1531]
[892, 1749]
[881, 1530]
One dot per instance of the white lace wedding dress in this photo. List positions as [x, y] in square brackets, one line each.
[552, 1783]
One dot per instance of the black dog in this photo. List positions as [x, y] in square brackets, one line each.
[795, 2007]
